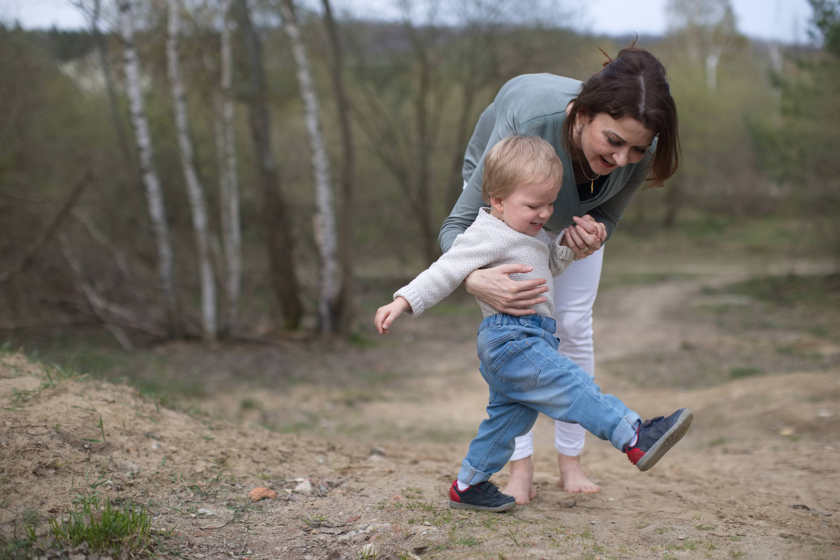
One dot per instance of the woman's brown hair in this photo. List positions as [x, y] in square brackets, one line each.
[633, 84]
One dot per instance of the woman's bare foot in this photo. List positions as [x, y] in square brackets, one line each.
[572, 478]
[521, 483]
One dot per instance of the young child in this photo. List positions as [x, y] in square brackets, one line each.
[519, 358]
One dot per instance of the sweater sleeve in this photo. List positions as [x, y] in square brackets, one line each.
[559, 256]
[469, 252]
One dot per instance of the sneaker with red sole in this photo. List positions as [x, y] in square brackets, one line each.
[657, 436]
[483, 496]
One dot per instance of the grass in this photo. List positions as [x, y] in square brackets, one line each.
[98, 525]
[105, 529]
[740, 372]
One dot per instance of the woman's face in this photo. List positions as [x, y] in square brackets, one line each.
[608, 143]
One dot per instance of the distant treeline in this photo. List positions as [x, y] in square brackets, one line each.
[759, 125]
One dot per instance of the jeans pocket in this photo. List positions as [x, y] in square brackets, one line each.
[515, 368]
[491, 342]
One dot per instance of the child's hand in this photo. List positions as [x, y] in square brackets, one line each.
[387, 314]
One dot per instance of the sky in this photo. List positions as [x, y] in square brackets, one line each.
[782, 20]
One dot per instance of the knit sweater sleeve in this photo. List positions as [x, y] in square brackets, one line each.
[469, 252]
[559, 256]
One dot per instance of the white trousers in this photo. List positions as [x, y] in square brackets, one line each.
[574, 296]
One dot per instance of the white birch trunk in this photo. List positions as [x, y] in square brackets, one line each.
[325, 230]
[194, 189]
[232, 230]
[154, 194]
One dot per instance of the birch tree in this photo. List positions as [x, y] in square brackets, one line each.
[228, 178]
[709, 29]
[343, 308]
[198, 203]
[325, 233]
[278, 231]
[151, 183]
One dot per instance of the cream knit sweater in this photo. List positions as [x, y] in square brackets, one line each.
[489, 242]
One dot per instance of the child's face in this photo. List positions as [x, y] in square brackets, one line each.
[528, 208]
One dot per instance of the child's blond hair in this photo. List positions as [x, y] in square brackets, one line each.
[518, 161]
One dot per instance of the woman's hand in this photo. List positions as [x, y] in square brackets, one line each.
[495, 287]
[585, 237]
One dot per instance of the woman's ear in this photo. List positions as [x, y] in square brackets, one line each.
[498, 204]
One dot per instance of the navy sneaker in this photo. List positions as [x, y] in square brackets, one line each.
[484, 496]
[657, 436]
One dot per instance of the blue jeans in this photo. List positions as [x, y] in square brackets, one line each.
[526, 375]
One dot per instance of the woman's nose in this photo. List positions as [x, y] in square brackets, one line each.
[621, 158]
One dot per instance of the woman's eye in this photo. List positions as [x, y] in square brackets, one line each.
[613, 142]
[533, 207]
[641, 150]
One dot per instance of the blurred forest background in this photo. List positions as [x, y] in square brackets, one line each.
[248, 168]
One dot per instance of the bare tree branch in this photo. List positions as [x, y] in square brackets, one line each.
[48, 233]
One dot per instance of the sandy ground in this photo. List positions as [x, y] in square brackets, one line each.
[758, 475]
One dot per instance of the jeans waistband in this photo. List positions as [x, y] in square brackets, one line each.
[501, 319]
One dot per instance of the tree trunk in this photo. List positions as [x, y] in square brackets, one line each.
[344, 309]
[325, 233]
[195, 190]
[229, 181]
[116, 118]
[154, 193]
[278, 231]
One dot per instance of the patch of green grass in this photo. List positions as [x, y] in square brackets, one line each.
[359, 340]
[465, 541]
[412, 493]
[706, 527]
[250, 404]
[663, 530]
[315, 519]
[104, 528]
[718, 441]
[791, 290]
[740, 372]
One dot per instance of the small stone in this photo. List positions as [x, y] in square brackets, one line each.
[377, 451]
[681, 537]
[354, 518]
[261, 493]
[304, 487]
[824, 413]
[208, 512]
[568, 503]
[155, 445]
[786, 432]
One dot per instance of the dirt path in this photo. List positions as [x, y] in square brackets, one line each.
[756, 477]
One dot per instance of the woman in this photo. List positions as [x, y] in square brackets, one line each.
[604, 131]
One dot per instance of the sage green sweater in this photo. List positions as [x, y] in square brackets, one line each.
[535, 105]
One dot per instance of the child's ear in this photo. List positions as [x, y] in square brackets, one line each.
[497, 204]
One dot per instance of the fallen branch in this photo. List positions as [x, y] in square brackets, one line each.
[94, 299]
[48, 233]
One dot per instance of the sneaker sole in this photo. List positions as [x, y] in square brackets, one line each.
[667, 441]
[497, 509]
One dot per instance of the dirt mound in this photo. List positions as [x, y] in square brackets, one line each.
[60, 437]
